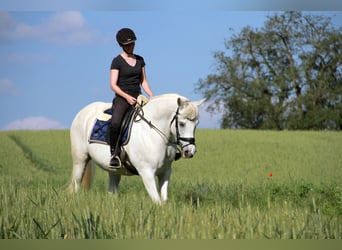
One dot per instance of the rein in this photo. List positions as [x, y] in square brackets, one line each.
[142, 117]
[190, 140]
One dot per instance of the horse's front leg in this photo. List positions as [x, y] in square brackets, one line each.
[163, 179]
[148, 178]
[114, 181]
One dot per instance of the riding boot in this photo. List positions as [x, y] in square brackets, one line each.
[114, 149]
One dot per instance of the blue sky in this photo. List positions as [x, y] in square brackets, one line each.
[52, 63]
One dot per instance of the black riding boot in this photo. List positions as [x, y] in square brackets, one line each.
[114, 149]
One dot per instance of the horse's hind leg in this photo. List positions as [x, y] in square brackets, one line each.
[78, 171]
[114, 181]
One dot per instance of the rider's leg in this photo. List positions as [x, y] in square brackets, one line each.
[119, 108]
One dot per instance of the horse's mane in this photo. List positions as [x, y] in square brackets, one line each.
[167, 96]
[190, 110]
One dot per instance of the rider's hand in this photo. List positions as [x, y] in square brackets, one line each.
[131, 100]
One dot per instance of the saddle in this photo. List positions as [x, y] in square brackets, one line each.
[101, 129]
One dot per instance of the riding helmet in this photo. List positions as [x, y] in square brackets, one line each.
[125, 36]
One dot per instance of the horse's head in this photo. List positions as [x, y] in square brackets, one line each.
[186, 121]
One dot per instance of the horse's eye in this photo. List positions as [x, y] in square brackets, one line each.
[182, 124]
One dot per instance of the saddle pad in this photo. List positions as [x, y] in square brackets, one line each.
[100, 131]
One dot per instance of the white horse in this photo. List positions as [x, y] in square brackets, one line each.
[164, 123]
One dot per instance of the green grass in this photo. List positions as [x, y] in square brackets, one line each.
[224, 192]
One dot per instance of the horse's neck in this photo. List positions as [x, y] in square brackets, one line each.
[160, 112]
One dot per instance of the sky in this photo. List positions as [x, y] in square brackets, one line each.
[54, 60]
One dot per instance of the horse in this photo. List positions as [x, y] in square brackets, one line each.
[163, 128]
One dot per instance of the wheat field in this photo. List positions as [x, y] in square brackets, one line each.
[241, 184]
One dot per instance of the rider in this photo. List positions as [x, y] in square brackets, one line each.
[127, 74]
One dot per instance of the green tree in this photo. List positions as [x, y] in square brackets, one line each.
[286, 75]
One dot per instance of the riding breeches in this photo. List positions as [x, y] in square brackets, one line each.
[119, 108]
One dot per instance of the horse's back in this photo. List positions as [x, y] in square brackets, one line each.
[90, 111]
[85, 119]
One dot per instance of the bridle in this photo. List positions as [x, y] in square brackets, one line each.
[190, 140]
[179, 139]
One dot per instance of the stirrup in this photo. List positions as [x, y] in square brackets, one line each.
[115, 166]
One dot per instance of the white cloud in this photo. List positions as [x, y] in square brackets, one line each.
[67, 28]
[7, 87]
[33, 123]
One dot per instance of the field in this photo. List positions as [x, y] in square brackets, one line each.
[239, 185]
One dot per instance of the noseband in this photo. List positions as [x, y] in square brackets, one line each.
[190, 140]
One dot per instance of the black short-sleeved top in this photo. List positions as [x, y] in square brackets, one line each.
[130, 77]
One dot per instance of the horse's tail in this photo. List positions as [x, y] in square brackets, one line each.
[87, 178]
[88, 175]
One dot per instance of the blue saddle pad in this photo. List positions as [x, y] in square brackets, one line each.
[100, 131]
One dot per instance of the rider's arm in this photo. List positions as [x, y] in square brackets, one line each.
[145, 85]
[114, 76]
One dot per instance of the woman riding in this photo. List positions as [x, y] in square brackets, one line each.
[127, 76]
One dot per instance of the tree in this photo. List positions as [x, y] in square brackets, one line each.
[287, 75]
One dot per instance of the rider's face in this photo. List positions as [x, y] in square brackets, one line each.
[129, 48]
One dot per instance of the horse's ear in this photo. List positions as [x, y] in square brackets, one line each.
[181, 102]
[199, 103]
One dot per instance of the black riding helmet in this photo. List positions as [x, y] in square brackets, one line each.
[125, 36]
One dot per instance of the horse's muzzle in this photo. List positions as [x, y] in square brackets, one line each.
[189, 151]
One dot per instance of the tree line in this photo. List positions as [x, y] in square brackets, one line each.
[285, 75]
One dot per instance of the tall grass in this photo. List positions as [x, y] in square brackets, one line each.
[224, 192]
